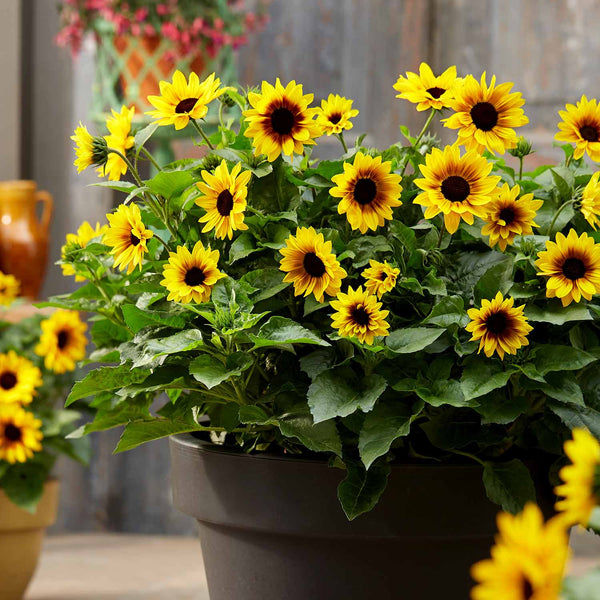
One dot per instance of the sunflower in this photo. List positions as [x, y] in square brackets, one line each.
[89, 150]
[500, 326]
[359, 315]
[190, 276]
[335, 114]
[10, 287]
[224, 200]
[590, 202]
[119, 139]
[381, 277]
[485, 115]
[368, 191]
[527, 561]
[84, 235]
[581, 479]
[20, 434]
[508, 216]
[580, 125]
[280, 120]
[63, 341]
[572, 264]
[459, 187]
[183, 99]
[127, 235]
[426, 90]
[311, 265]
[18, 379]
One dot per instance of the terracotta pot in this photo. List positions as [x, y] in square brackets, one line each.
[24, 237]
[21, 535]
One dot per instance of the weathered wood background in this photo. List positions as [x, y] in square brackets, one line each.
[357, 48]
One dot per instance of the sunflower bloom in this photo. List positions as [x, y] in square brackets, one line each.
[128, 236]
[10, 287]
[335, 113]
[368, 191]
[359, 315]
[20, 434]
[183, 99]
[499, 326]
[486, 116]
[580, 125]
[426, 90]
[224, 200]
[280, 120]
[381, 278]
[63, 341]
[119, 139]
[572, 265]
[19, 378]
[89, 150]
[580, 487]
[527, 561]
[590, 202]
[190, 276]
[310, 264]
[458, 187]
[81, 239]
[509, 216]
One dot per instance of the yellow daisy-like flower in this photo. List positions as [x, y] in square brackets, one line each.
[590, 202]
[127, 236]
[63, 341]
[581, 479]
[458, 187]
[84, 235]
[359, 315]
[224, 200]
[527, 561]
[509, 216]
[10, 287]
[580, 125]
[500, 326]
[368, 191]
[381, 277]
[427, 90]
[311, 265]
[280, 120]
[572, 264]
[119, 139]
[485, 116]
[190, 276]
[20, 434]
[89, 150]
[335, 114]
[183, 99]
[18, 379]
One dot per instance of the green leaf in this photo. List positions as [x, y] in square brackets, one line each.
[143, 135]
[448, 311]
[279, 330]
[106, 333]
[497, 278]
[211, 372]
[549, 357]
[556, 314]
[563, 180]
[24, 484]
[560, 386]
[78, 449]
[267, 282]
[481, 376]
[470, 267]
[498, 407]
[509, 485]
[119, 186]
[242, 246]
[413, 339]
[443, 391]
[360, 491]
[170, 184]
[574, 416]
[137, 319]
[317, 437]
[250, 414]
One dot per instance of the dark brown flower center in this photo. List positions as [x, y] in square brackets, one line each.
[589, 133]
[436, 92]
[335, 118]
[360, 316]
[62, 339]
[12, 433]
[313, 265]
[365, 191]
[496, 323]
[383, 276]
[8, 380]
[224, 203]
[573, 268]
[455, 188]
[282, 121]
[527, 589]
[507, 215]
[185, 106]
[194, 276]
[134, 239]
[484, 116]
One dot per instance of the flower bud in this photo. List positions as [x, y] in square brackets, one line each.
[522, 149]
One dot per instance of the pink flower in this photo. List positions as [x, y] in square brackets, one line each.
[219, 23]
[170, 31]
[141, 14]
[149, 29]
[162, 9]
[136, 29]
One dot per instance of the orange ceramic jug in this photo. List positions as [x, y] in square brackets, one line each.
[24, 236]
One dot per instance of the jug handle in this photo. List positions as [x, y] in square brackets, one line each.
[46, 198]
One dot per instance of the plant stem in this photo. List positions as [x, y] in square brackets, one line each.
[471, 456]
[340, 136]
[520, 168]
[199, 130]
[561, 208]
[129, 166]
[419, 137]
[441, 236]
[568, 160]
[151, 159]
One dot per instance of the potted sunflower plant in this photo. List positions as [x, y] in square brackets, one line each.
[37, 364]
[414, 326]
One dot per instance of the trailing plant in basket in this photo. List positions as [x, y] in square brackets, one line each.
[411, 303]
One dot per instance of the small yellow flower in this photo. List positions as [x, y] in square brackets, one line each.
[19, 378]
[84, 235]
[590, 202]
[580, 125]
[381, 277]
[335, 114]
[119, 139]
[10, 287]
[89, 150]
[20, 434]
[426, 90]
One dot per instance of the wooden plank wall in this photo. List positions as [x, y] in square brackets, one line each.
[357, 48]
